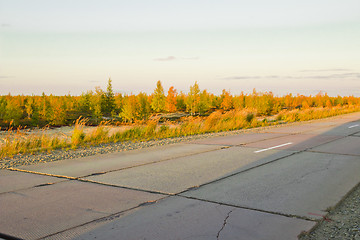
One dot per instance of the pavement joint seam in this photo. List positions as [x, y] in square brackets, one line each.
[153, 162]
[82, 180]
[39, 185]
[330, 141]
[343, 154]
[262, 140]
[106, 218]
[354, 134]
[253, 209]
[242, 144]
[236, 173]
[294, 153]
[40, 173]
[125, 187]
[87, 181]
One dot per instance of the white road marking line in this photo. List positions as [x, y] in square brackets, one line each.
[356, 125]
[262, 150]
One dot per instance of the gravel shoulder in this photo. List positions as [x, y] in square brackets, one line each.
[342, 222]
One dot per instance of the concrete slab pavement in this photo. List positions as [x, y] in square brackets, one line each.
[180, 174]
[297, 142]
[12, 180]
[120, 160]
[346, 129]
[300, 184]
[38, 212]
[181, 218]
[348, 145]
[244, 192]
[319, 126]
[295, 129]
[240, 139]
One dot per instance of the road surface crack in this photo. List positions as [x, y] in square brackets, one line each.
[224, 224]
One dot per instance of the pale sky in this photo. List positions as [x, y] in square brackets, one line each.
[283, 46]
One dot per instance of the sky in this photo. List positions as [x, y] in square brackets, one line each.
[285, 46]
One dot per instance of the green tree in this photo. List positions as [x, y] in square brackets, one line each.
[98, 103]
[3, 103]
[29, 107]
[107, 100]
[46, 109]
[205, 102]
[13, 112]
[144, 106]
[86, 106]
[158, 98]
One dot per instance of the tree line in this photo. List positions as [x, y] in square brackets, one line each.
[102, 104]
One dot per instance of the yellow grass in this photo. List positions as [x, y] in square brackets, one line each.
[15, 142]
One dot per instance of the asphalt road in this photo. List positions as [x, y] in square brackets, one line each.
[273, 184]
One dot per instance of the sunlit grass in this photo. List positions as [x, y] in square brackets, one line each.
[15, 142]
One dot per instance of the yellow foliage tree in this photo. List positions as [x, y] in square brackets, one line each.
[170, 103]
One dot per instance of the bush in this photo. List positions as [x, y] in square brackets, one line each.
[249, 117]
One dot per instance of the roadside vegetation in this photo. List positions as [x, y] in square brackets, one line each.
[153, 116]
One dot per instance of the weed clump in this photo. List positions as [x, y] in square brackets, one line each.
[78, 136]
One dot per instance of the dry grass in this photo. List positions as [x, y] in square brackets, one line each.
[15, 142]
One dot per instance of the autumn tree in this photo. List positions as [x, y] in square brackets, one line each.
[338, 101]
[193, 99]
[170, 103]
[119, 101]
[239, 101]
[29, 107]
[58, 116]
[288, 101]
[130, 109]
[305, 104]
[227, 102]
[158, 98]
[181, 102]
[265, 104]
